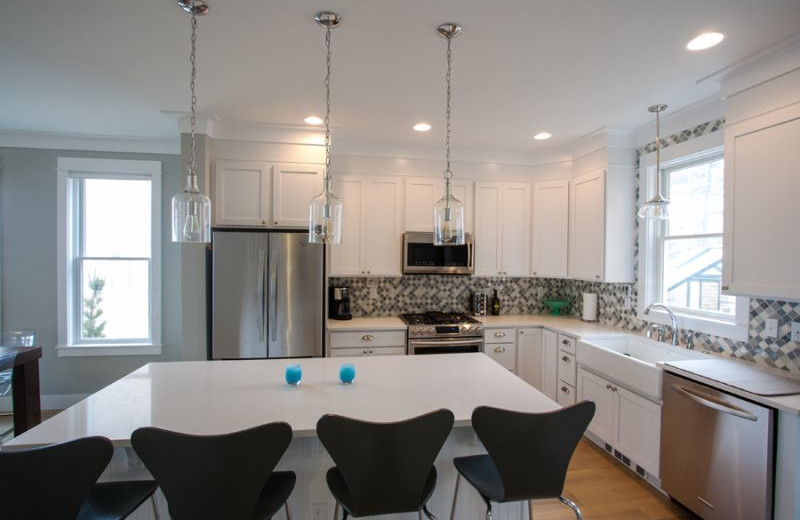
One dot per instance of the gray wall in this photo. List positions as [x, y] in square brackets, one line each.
[28, 266]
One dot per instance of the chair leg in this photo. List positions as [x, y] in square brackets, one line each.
[288, 514]
[155, 508]
[574, 507]
[488, 510]
[428, 513]
[530, 509]
[455, 496]
[336, 511]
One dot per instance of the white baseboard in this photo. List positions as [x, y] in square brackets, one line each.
[49, 402]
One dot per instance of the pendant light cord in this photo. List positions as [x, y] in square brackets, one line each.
[448, 174]
[328, 110]
[658, 151]
[193, 158]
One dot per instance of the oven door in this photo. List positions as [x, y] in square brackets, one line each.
[445, 345]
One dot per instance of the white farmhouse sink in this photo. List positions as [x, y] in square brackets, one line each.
[631, 360]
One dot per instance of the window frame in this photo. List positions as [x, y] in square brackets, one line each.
[651, 246]
[69, 298]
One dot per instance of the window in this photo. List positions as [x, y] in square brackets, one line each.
[682, 256]
[109, 257]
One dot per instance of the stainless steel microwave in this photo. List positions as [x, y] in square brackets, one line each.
[420, 256]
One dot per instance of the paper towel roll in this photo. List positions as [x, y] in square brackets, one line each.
[589, 307]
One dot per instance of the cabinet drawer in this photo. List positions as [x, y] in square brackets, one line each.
[503, 353]
[499, 335]
[566, 343]
[566, 394]
[566, 368]
[368, 338]
[367, 351]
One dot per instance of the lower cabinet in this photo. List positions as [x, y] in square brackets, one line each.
[628, 422]
[501, 345]
[529, 356]
[550, 364]
[566, 395]
[366, 342]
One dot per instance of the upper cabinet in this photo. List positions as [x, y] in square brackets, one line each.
[421, 193]
[550, 229]
[502, 228]
[254, 193]
[371, 227]
[601, 225]
[761, 185]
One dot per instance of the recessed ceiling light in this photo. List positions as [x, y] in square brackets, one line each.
[313, 120]
[421, 127]
[541, 136]
[705, 41]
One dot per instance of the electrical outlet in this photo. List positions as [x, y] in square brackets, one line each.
[771, 327]
[796, 331]
[319, 511]
[627, 302]
[373, 292]
[540, 292]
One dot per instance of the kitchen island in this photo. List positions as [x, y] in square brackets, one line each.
[210, 397]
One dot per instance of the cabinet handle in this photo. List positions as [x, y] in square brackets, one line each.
[367, 337]
[608, 387]
[596, 277]
[725, 287]
[565, 359]
[565, 389]
[365, 352]
[566, 342]
[613, 388]
[499, 350]
[499, 334]
[276, 222]
[535, 273]
[372, 352]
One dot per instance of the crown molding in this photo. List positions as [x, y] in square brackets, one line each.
[97, 143]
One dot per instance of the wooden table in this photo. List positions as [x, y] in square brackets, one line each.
[24, 384]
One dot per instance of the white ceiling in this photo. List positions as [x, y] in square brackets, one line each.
[120, 68]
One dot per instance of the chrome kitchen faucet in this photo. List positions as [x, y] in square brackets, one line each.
[671, 317]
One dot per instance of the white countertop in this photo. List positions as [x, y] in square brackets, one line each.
[368, 323]
[565, 324]
[211, 397]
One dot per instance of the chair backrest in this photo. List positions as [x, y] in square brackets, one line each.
[532, 450]
[212, 476]
[385, 465]
[52, 481]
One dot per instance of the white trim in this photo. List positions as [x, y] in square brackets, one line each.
[108, 350]
[95, 143]
[737, 327]
[48, 402]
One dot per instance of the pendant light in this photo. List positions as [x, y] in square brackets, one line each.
[325, 213]
[191, 208]
[448, 212]
[656, 208]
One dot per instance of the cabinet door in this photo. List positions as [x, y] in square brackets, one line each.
[503, 353]
[348, 257]
[566, 394]
[294, 185]
[638, 429]
[516, 235]
[348, 352]
[384, 230]
[242, 193]
[587, 225]
[761, 186]
[592, 387]
[488, 228]
[550, 229]
[529, 356]
[550, 364]
[421, 194]
[462, 190]
[566, 367]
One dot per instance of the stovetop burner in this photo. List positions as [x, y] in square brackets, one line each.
[438, 318]
[442, 325]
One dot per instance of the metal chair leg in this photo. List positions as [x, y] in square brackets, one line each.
[288, 514]
[488, 510]
[336, 511]
[530, 509]
[455, 495]
[153, 503]
[428, 513]
[574, 507]
[419, 513]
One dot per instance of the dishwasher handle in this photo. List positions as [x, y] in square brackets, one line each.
[711, 402]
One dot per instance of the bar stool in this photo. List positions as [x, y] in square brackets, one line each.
[230, 476]
[528, 454]
[383, 468]
[60, 482]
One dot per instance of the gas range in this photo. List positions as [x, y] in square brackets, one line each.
[442, 325]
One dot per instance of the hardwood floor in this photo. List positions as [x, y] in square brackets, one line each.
[605, 490]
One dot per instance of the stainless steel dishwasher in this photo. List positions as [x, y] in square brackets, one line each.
[716, 451]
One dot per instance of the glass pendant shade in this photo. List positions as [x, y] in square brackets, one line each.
[656, 208]
[191, 214]
[448, 221]
[325, 218]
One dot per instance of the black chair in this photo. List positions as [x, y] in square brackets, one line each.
[60, 482]
[528, 454]
[383, 468]
[226, 476]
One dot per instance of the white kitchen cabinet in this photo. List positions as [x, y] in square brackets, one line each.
[367, 351]
[761, 184]
[371, 227]
[550, 229]
[242, 193]
[366, 342]
[628, 422]
[601, 226]
[500, 344]
[529, 356]
[502, 229]
[421, 193]
[293, 187]
[566, 370]
[550, 364]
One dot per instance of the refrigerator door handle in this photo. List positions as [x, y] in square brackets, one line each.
[273, 290]
[262, 267]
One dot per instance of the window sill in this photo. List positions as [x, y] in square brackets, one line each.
[724, 329]
[108, 350]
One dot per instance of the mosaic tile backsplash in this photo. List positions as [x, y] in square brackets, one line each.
[616, 303]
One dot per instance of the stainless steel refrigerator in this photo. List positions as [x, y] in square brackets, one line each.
[267, 295]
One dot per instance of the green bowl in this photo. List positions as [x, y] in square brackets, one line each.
[556, 306]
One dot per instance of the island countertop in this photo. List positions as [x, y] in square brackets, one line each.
[211, 397]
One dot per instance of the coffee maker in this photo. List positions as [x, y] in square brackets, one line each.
[339, 303]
